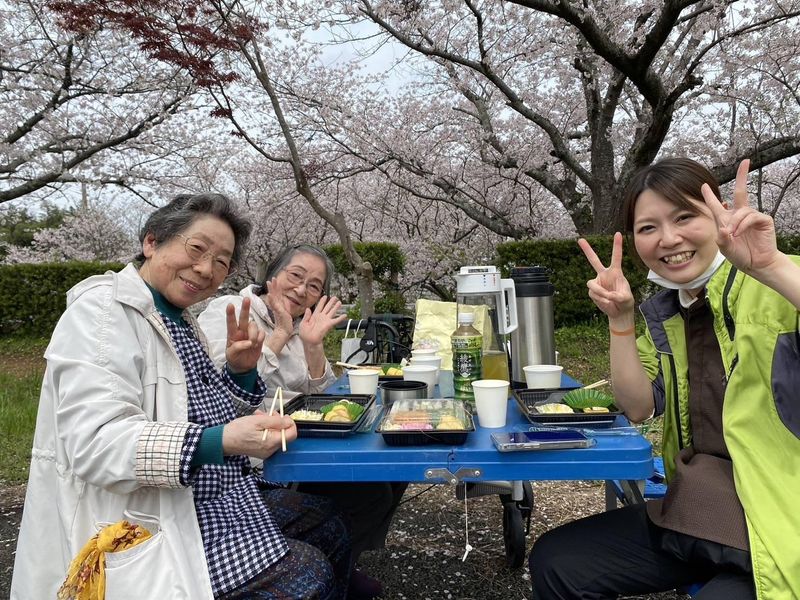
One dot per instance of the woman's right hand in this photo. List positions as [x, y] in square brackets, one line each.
[245, 435]
[610, 290]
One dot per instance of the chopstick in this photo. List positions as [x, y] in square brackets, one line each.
[349, 366]
[279, 398]
[283, 431]
[596, 384]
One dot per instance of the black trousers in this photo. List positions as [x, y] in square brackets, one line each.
[368, 508]
[622, 553]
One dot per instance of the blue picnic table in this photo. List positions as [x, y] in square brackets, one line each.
[620, 453]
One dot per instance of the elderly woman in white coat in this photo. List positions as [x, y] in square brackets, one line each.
[136, 422]
[294, 308]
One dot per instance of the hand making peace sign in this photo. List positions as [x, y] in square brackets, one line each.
[610, 290]
[244, 339]
[744, 235]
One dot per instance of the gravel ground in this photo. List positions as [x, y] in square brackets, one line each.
[422, 558]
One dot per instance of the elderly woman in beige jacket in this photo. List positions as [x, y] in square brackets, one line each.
[294, 309]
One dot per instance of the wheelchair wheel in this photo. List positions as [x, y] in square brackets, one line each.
[513, 535]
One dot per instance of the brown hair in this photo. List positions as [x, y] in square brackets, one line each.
[677, 180]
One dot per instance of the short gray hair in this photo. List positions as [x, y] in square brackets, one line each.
[177, 216]
[285, 256]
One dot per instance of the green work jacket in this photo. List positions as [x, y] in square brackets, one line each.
[757, 331]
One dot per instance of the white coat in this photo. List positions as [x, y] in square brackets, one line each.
[109, 432]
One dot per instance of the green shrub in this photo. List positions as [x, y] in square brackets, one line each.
[391, 302]
[386, 259]
[569, 272]
[387, 263]
[33, 296]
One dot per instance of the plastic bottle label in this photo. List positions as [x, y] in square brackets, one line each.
[466, 365]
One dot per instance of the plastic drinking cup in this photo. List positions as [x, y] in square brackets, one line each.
[491, 401]
[363, 381]
[428, 374]
[543, 377]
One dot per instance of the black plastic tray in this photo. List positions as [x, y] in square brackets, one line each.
[528, 400]
[384, 377]
[419, 437]
[324, 428]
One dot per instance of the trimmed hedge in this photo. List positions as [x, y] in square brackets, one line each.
[569, 271]
[387, 262]
[386, 259]
[33, 296]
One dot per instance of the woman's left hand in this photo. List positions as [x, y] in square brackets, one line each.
[744, 235]
[243, 348]
[316, 325]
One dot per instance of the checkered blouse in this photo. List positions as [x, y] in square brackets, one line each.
[240, 536]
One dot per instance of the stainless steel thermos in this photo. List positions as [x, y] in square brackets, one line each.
[533, 342]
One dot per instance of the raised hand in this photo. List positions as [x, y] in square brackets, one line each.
[284, 324]
[744, 235]
[610, 290]
[244, 339]
[316, 325]
[245, 435]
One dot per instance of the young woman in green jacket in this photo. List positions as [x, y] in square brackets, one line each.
[719, 359]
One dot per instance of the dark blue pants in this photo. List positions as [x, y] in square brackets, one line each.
[318, 563]
[368, 508]
[622, 553]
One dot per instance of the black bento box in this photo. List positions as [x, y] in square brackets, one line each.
[530, 400]
[327, 428]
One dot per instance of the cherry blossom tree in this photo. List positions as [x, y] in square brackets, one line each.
[89, 234]
[229, 48]
[568, 99]
[69, 101]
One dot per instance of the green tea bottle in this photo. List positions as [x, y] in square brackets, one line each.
[467, 344]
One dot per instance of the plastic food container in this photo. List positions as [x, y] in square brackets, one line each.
[530, 401]
[314, 402]
[420, 422]
[383, 368]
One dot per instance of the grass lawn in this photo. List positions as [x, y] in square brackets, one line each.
[21, 370]
[583, 351]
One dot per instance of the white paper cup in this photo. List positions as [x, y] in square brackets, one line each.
[491, 401]
[424, 352]
[428, 374]
[363, 381]
[432, 360]
[541, 377]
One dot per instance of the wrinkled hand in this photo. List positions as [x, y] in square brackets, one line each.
[744, 235]
[610, 290]
[316, 325]
[280, 312]
[244, 435]
[243, 347]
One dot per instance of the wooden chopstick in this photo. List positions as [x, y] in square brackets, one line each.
[349, 366]
[272, 410]
[596, 384]
[283, 431]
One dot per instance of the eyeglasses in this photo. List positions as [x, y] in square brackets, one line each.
[296, 278]
[197, 249]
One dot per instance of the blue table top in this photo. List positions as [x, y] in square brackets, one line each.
[366, 457]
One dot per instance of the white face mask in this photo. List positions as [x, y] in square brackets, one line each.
[694, 283]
